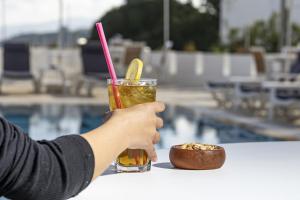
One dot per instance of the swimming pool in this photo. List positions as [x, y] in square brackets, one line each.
[182, 124]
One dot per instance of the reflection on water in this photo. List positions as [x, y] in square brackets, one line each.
[181, 124]
[52, 121]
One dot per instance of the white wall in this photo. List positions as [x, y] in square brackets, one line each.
[195, 69]
[180, 69]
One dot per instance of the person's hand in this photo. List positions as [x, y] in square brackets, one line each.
[134, 127]
[140, 123]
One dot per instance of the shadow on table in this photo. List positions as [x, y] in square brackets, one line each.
[164, 165]
[109, 171]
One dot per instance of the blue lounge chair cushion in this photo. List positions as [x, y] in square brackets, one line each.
[16, 58]
[93, 59]
[250, 88]
[285, 94]
[214, 85]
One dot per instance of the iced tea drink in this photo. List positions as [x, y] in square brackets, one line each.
[132, 93]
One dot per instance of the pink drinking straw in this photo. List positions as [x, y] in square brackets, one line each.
[109, 63]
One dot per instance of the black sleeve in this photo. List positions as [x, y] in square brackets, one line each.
[43, 170]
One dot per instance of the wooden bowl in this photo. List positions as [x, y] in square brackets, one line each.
[204, 159]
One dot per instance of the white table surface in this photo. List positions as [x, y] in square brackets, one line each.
[251, 171]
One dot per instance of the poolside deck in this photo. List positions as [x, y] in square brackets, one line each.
[19, 94]
[187, 97]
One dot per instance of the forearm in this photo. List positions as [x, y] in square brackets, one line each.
[107, 142]
[55, 169]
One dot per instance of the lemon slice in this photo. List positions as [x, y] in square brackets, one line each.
[134, 71]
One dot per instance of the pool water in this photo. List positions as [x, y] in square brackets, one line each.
[182, 124]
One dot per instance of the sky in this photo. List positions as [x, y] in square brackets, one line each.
[42, 15]
[40, 11]
[23, 16]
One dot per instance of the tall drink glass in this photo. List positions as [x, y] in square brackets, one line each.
[132, 93]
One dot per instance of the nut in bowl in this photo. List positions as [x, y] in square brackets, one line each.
[197, 156]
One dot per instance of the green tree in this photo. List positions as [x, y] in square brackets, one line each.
[236, 41]
[295, 34]
[266, 33]
[142, 20]
[262, 33]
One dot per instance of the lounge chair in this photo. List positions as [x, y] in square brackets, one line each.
[258, 54]
[95, 70]
[285, 92]
[244, 73]
[238, 79]
[52, 64]
[282, 94]
[16, 65]
[215, 74]
[123, 53]
[131, 51]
